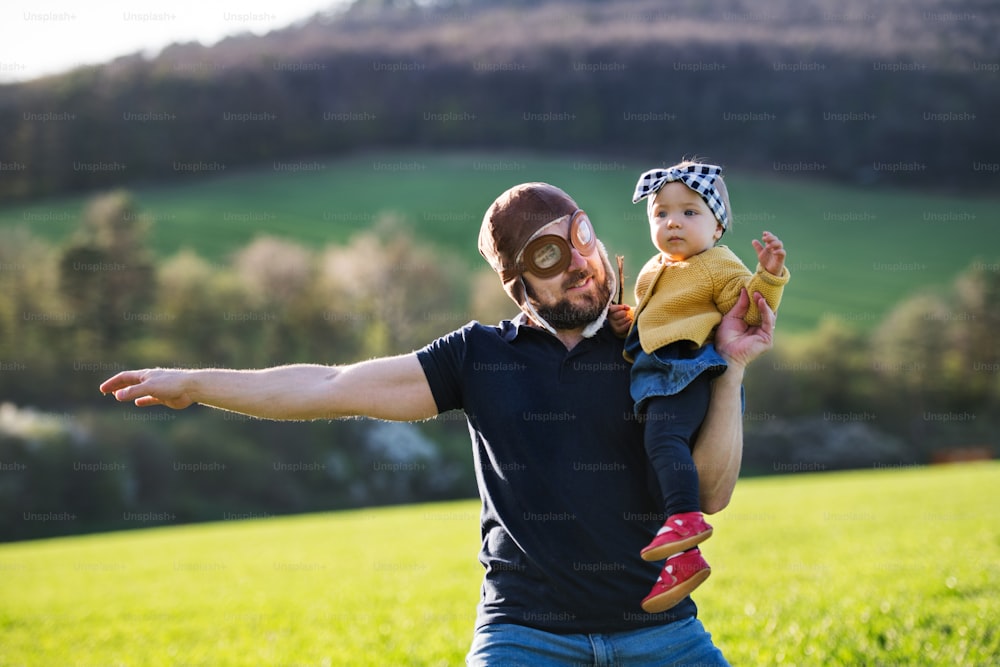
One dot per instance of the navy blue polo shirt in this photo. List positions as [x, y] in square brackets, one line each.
[568, 499]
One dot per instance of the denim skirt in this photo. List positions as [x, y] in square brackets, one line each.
[667, 370]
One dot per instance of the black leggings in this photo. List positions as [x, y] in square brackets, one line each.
[672, 424]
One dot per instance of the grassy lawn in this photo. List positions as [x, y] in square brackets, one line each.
[859, 568]
[880, 567]
[853, 251]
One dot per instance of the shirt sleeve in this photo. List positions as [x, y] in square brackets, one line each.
[442, 361]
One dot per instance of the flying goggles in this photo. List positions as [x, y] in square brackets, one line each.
[551, 254]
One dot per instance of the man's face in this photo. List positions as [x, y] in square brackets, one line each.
[577, 296]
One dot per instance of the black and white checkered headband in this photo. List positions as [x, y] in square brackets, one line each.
[698, 177]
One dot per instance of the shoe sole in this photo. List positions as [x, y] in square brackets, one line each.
[670, 598]
[664, 550]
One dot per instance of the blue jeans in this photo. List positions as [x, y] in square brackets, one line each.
[684, 642]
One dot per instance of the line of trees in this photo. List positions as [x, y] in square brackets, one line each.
[102, 299]
[904, 93]
[72, 315]
[926, 379]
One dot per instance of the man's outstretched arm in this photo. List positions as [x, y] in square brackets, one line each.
[718, 451]
[388, 388]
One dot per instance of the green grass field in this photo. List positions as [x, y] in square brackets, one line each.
[885, 567]
[854, 251]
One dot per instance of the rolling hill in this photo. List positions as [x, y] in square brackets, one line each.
[854, 251]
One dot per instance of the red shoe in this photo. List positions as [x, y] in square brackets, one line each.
[681, 574]
[679, 533]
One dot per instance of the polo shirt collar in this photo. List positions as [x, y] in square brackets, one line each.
[511, 328]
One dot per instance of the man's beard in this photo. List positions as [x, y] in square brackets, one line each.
[564, 315]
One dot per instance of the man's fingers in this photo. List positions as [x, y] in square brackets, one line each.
[739, 309]
[146, 401]
[129, 391]
[767, 317]
[125, 394]
[120, 381]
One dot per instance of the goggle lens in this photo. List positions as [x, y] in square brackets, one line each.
[547, 256]
[550, 255]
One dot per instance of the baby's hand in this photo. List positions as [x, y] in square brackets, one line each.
[620, 317]
[770, 253]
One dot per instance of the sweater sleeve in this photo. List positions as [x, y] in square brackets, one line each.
[732, 276]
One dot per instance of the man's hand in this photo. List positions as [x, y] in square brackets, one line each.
[738, 342]
[770, 253]
[620, 317]
[155, 386]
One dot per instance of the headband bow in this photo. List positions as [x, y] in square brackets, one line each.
[698, 177]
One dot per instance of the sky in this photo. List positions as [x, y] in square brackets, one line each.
[39, 37]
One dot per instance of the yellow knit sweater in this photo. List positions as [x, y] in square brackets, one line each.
[685, 300]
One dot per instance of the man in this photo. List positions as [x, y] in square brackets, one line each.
[568, 501]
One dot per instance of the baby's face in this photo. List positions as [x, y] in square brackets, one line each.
[680, 223]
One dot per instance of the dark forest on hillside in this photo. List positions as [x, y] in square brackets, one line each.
[898, 93]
